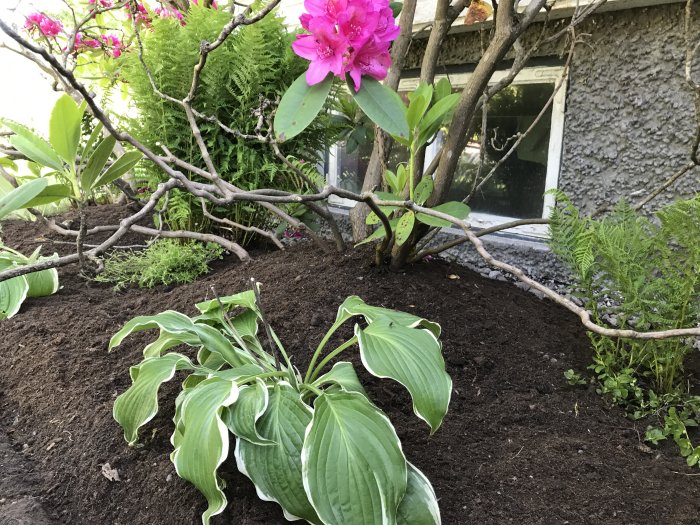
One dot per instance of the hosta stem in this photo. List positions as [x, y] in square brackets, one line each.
[317, 353]
[330, 356]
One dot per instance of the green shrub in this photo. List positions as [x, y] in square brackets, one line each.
[166, 261]
[255, 61]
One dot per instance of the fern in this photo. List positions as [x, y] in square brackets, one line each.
[255, 61]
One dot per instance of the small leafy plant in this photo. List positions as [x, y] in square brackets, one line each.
[78, 171]
[166, 261]
[315, 444]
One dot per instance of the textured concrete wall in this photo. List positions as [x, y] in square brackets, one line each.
[629, 115]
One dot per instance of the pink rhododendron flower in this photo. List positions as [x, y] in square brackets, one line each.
[46, 25]
[103, 3]
[112, 44]
[213, 4]
[142, 15]
[170, 12]
[346, 37]
[82, 43]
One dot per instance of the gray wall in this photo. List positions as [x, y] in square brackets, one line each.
[629, 116]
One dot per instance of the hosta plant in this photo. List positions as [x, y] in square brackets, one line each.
[314, 443]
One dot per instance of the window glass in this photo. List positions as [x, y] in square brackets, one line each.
[517, 187]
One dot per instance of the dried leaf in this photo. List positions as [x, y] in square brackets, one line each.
[479, 11]
[110, 473]
[453, 276]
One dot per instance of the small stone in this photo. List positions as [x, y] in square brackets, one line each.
[553, 360]
[169, 478]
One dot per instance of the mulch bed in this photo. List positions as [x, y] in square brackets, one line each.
[519, 444]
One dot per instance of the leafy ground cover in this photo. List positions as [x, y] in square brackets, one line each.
[518, 445]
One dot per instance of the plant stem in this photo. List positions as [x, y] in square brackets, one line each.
[266, 375]
[323, 343]
[330, 356]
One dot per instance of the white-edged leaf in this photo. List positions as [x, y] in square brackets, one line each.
[12, 294]
[354, 305]
[276, 469]
[242, 417]
[202, 441]
[42, 283]
[354, 470]
[169, 321]
[244, 300]
[137, 406]
[412, 357]
[342, 374]
[419, 506]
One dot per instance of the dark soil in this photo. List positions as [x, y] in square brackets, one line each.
[519, 444]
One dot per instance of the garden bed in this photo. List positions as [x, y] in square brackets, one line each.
[519, 444]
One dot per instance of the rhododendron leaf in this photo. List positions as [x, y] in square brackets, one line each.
[120, 166]
[404, 227]
[373, 218]
[52, 193]
[423, 190]
[241, 418]
[383, 106]
[33, 146]
[64, 128]
[419, 506]
[21, 196]
[92, 139]
[412, 357]
[97, 162]
[299, 106]
[416, 110]
[354, 305]
[137, 406]
[436, 117]
[442, 88]
[201, 440]
[396, 8]
[276, 469]
[354, 470]
[378, 233]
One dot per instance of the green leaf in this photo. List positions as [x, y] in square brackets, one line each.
[423, 190]
[412, 357]
[353, 306]
[174, 323]
[378, 233]
[416, 109]
[122, 165]
[244, 300]
[405, 227]
[354, 470]
[8, 164]
[443, 88]
[419, 506]
[299, 106]
[396, 8]
[383, 106]
[64, 128]
[201, 441]
[20, 197]
[43, 283]
[52, 193]
[242, 417]
[96, 163]
[96, 134]
[392, 181]
[458, 210]
[33, 146]
[342, 374]
[137, 406]
[276, 469]
[439, 114]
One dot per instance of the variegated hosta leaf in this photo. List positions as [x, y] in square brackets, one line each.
[42, 283]
[211, 308]
[166, 341]
[276, 469]
[242, 417]
[353, 466]
[353, 305]
[12, 295]
[135, 407]
[413, 357]
[202, 440]
[419, 506]
[342, 374]
[178, 325]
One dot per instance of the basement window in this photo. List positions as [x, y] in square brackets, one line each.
[518, 185]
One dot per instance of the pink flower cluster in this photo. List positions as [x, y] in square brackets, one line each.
[111, 44]
[347, 36]
[167, 12]
[105, 4]
[46, 25]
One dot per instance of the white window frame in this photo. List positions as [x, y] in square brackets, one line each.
[531, 75]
